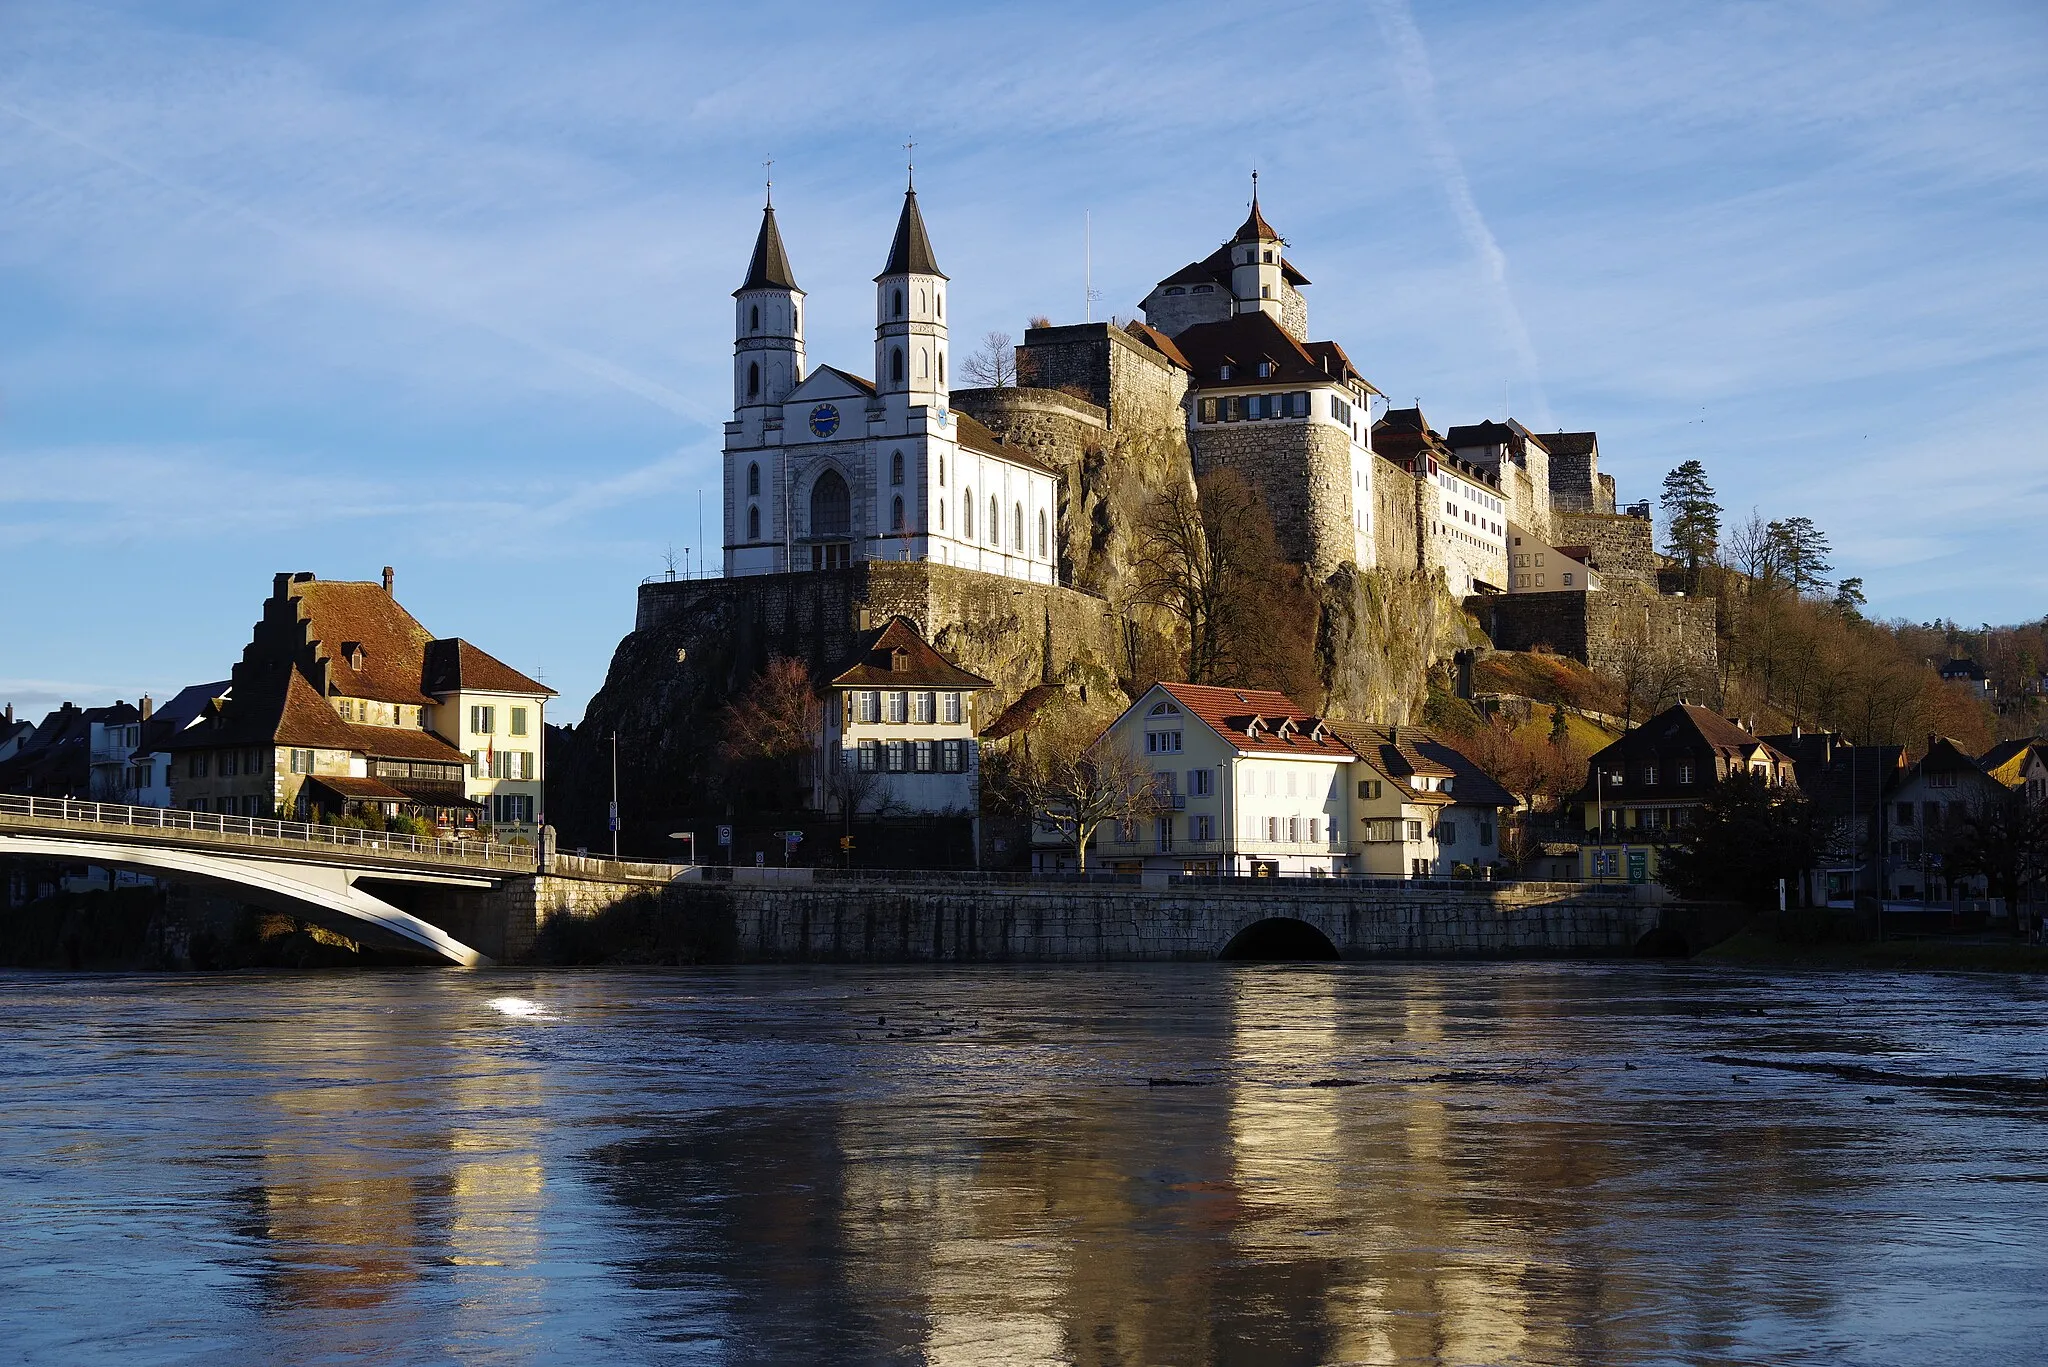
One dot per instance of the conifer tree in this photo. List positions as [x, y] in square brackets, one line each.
[1802, 554]
[1692, 519]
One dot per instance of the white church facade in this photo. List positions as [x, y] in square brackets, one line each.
[824, 469]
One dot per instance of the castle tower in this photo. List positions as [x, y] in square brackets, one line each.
[1255, 264]
[910, 314]
[768, 325]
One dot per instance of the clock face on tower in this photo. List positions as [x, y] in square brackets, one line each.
[824, 420]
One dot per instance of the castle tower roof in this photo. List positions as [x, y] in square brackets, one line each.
[769, 270]
[911, 252]
[1255, 228]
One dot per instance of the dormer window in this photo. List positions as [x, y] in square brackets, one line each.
[1265, 370]
[353, 652]
[1223, 373]
[899, 661]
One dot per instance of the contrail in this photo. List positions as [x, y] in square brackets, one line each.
[1418, 85]
[595, 366]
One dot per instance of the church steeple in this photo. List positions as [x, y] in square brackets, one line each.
[768, 324]
[910, 313]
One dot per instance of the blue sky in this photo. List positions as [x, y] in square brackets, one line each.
[446, 285]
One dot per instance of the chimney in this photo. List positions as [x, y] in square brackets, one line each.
[388, 576]
[147, 707]
[1931, 738]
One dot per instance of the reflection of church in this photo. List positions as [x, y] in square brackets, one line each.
[823, 469]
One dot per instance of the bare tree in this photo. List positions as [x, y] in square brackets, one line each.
[994, 363]
[773, 728]
[1076, 779]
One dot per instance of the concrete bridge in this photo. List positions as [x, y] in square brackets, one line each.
[305, 870]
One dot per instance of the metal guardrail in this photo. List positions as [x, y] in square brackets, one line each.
[301, 835]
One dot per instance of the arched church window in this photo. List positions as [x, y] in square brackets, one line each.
[967, 514]
[753, 524]
[796, 318]
[754, 318]
[942, 365]
[896, 303]
[831, 506]
[1041, 534]
[896, 468]
[940, 300]
[753, 379]
[924, 363]
[920, 301]
[995, 523]
[942, 472]
[896, 364]
[896, 514]
[942, 514]
[754, 481]
[1017, 527]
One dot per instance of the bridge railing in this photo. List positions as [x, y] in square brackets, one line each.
[265, 831]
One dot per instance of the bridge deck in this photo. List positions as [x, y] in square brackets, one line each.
[290, 840]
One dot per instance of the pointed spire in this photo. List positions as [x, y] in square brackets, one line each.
[769, 270]
[1255, 228]
[911, 252]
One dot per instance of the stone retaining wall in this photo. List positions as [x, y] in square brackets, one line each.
[1074, 923]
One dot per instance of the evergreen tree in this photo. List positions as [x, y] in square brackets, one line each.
[1560, 729]
[1692, 519]
[1802, 554]
[1744, 838]
[1849, 599]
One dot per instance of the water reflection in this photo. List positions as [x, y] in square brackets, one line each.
[1417, 1163]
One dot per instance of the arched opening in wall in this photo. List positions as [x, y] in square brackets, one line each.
[754, 318]
[754, 481]
[831, 506]
[995, 523]
[896, 303]
[1041, 534]
[1279, 938]
[967, 514]
[896, 468]
[753, 524]
[896, 364]
[896, 514]
[1017, 528]
[942, 366]
[753, 379]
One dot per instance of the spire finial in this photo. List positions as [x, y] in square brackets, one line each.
[1255, 187]
[769, 165]
[910, 164]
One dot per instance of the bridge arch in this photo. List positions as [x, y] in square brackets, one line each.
[315, 892]
[1279, 937]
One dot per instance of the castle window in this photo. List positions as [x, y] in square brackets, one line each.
[896, 364]
[967, 514]
[1176, 289]
[896, 468]
[1041, 534]
[753, 524]
[1265, 291]
[754, 481]
[754, 318]
[1269, 256]
[753, 379]
[896, 514]
[1205, 289]
[995, 523]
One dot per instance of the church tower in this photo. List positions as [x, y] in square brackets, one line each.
[768, 324]
[910, 314]
[1256, 281]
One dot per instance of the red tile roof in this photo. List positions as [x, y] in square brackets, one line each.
[456, 664]
[341, 614]
[1260, 721]
[1243, 340]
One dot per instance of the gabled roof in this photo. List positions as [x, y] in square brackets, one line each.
[769, 270]
[1571, 443]
[1510, 434]
[1158, 341]
[1215, 269]
[1723, 736]
[455, 664]
[1243, 340]
[1258, 721]
[1945, 756]
[819, 384]
[2007, 760]
[896, 655]
[911, 252]
[344, 613]
[1407, 754]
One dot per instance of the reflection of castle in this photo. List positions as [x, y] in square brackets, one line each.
[825, 468]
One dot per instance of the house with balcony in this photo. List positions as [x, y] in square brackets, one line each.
[1421, 808]
[1923, 816]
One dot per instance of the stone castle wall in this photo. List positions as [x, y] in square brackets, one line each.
[1599, 628]
[1396, 516]
[1303, 471]
[1623, 547]
[1576, 487]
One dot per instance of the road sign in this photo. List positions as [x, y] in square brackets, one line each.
[614, 815]
[725, 835]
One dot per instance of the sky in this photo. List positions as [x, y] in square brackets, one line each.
[446, 286]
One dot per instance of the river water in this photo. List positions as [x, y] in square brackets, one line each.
[1132, 1165]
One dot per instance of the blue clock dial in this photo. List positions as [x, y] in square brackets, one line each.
[824, 420]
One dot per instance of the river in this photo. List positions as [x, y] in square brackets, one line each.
[1185, 1164]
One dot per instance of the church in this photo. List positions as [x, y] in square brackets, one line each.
[824, 468]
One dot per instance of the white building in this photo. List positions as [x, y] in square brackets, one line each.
[150, 768]
[824, 469]
[899, 731]
[1535, 566]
